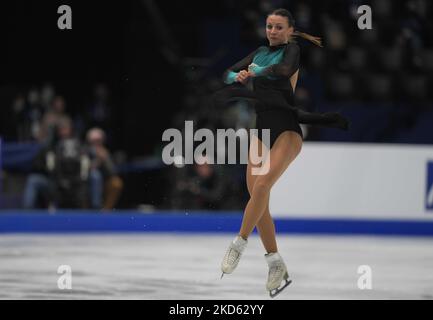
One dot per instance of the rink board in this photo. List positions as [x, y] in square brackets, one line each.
[360, 181]
[197, 222]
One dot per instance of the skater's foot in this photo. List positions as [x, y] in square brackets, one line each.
[233, 255]
[278, 278]
[274, 292]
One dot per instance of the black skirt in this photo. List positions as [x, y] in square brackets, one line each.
[275, 109]
[277, 121]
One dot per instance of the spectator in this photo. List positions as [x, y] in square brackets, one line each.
[102, 173]
[200, 186]
[51, 120]
[33, 114]
[71, 168]
[38, 191]
[60, 173]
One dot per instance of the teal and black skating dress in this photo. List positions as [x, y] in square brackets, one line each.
[272, 91]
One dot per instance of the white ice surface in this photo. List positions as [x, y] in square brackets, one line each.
[176, 266]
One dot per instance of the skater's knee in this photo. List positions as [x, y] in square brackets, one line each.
[261, 187]
[250, 186]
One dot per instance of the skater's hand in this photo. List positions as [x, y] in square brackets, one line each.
[251, 69]
[243, 76]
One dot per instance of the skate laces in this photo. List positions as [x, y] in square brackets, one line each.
[276, 271]
[232, 256]
[235, 250]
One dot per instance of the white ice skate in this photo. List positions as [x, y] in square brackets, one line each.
[277, 273]
[233, 255]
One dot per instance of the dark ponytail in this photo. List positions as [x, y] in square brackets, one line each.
[285, 13]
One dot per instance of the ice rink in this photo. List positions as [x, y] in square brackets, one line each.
[187, 266]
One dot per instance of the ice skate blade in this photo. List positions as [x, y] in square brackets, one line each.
[275, 292]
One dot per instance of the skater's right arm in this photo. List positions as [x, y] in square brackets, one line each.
[234, 73]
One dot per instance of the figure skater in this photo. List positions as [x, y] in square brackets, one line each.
[271, 72]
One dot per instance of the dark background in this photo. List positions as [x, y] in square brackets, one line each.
[109, 42]
[162, 59]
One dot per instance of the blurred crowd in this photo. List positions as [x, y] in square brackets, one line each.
[37, 111]
[73, 167]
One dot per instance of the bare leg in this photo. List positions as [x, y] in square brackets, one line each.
[266, 229]
[265, 226]
[284, 151]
